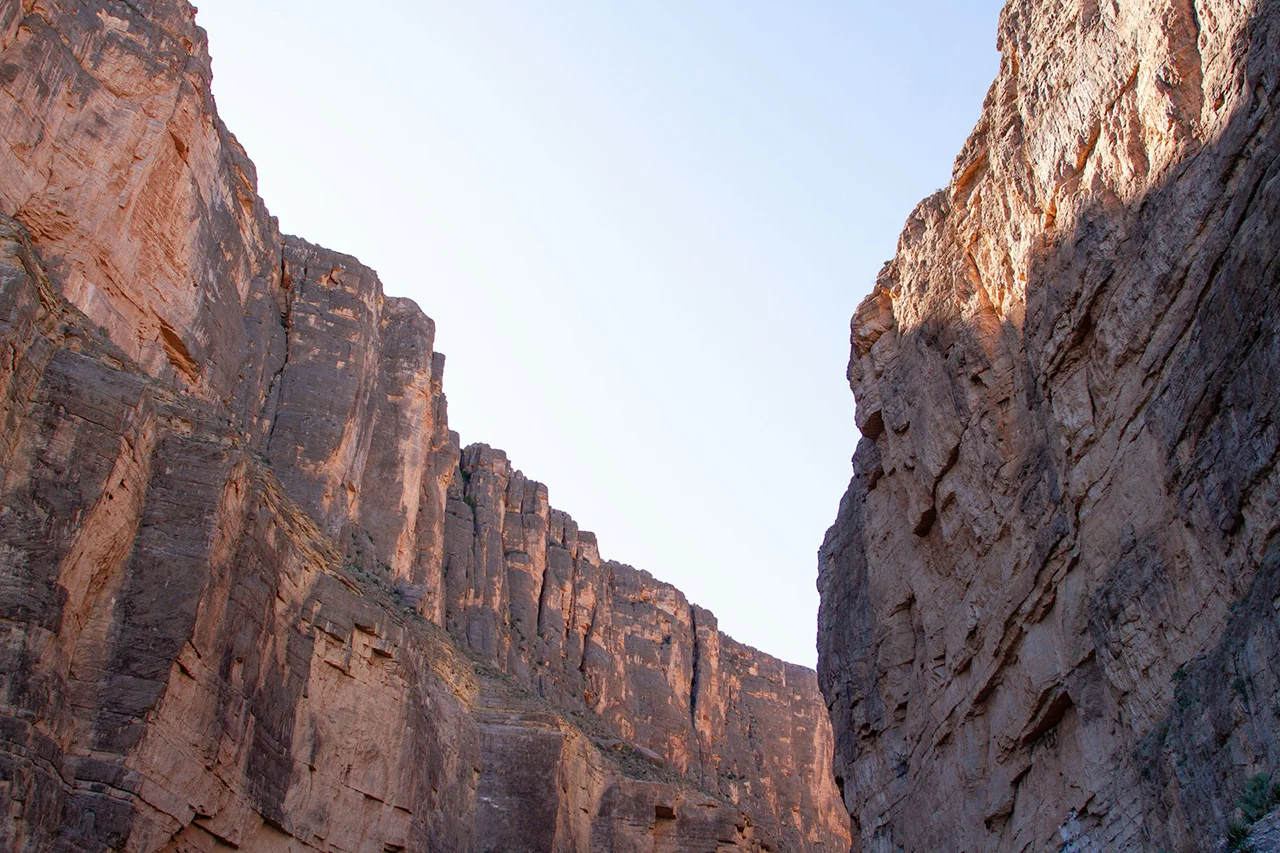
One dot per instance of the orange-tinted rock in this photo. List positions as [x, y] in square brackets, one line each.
[1048, 601]
[254, 592]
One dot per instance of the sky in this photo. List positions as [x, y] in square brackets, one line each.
[641, 229]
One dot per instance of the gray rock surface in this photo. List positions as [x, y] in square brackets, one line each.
[1049, 598]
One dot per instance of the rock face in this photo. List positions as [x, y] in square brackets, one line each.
[1049, 601]
[253, 591]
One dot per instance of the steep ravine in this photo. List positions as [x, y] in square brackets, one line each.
[254, 593]
[1049, 600]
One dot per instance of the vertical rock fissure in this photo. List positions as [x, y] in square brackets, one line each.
[286, 321]
[542, 602]
[694, 679]
[695, 671]
[587, 637]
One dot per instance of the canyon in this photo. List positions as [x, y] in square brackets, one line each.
[254, 593]
[1049, 599]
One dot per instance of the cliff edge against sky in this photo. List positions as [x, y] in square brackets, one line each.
[1049, 598]
[253, 592]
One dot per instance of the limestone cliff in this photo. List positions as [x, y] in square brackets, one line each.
[253, 592]
[1049, 599]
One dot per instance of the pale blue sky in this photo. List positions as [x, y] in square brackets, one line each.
[641, 229]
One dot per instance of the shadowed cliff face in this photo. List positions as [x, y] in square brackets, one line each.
[1049, 599]
[253, 592]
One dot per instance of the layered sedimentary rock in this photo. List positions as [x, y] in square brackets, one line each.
[1049, 601]
[253, 591]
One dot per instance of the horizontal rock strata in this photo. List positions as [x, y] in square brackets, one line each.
[1049, 599]
[253, 592]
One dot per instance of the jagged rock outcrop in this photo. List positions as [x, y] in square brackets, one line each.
[253, 591]
[1049, 599]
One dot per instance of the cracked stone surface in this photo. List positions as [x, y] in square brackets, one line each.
[254, 592]
[1049, 599]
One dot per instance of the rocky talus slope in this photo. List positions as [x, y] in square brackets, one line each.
[253, 592]
[1049, 601]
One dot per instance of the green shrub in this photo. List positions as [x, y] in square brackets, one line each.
[1238, 837]
[1255, 798]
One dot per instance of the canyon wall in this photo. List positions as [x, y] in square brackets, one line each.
[1049, 600]
[254, 592]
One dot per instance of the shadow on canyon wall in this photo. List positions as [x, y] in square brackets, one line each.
[1092, 488]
